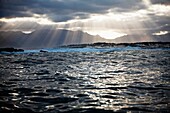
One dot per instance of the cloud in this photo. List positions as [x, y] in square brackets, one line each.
[64, 10]
[166, 2]
[95, 15]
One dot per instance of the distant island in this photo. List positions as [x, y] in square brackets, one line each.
[11, 50]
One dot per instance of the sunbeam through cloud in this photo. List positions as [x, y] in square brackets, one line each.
[84, 56]
[105, 21]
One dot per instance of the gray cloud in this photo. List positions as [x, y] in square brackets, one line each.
[63, 10]
[166, 2]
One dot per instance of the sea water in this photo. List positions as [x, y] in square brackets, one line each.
[85, 80]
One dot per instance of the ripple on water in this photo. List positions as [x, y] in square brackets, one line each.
[53, 100]
[120, 81]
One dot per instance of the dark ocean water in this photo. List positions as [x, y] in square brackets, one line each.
[102, 80]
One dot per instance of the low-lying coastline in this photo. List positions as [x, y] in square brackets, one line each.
[138, 44]
[142, 45]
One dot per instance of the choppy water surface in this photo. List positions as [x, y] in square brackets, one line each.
[115, 81]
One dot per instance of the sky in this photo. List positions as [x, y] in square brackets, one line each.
[109, 19]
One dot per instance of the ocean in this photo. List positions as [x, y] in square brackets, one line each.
[86, 80]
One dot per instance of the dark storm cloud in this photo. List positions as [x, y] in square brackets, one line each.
[63, 10]
[166, 2]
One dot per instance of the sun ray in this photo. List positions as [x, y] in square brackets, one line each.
[109, 25]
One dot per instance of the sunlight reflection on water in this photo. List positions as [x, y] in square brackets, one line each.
[122, 81]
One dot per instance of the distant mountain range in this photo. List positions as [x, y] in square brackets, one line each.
[47, 38]
[143, 38]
